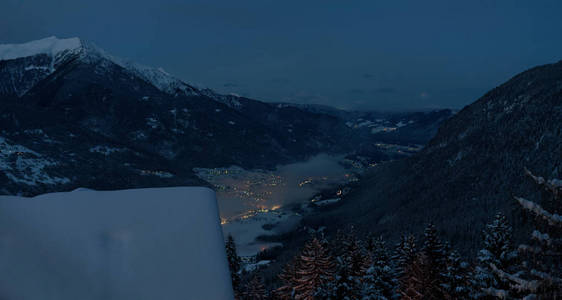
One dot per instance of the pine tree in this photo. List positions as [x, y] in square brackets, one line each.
[433, 264]
[357, 259]
[332, 290]
[379, 281]
[458, 284]
[498, 250]
[413, 283]
[255, 289]
[542, 276]
[352, 263]
[308, 273]
[342, 284]
[315, 270]
[404, 257]
[405, 254]
[234, 264]
[370, 288]
[288, 277]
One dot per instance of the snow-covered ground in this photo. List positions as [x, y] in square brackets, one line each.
[160, 243]
[23, 165]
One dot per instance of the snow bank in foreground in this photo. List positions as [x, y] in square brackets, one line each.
[161, 243]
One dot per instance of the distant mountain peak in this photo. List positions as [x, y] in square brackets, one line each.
[58, 50]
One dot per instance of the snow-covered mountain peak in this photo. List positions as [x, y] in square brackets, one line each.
[60, 50]
[24, 65]
[51, 46]
[26, 73]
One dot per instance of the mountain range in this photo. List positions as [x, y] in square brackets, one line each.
[73, 115]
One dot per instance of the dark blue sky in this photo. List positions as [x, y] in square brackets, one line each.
[349, 54]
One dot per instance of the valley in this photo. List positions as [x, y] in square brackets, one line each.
[251, 200]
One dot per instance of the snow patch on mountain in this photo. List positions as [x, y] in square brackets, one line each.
[32, 67]
[160, 79]
[106, 150]
[23, 165]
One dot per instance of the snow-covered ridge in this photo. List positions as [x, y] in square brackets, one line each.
[60, 49]
[50, 46]
[162, 80]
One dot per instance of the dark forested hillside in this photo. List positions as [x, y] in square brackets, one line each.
[471, 169]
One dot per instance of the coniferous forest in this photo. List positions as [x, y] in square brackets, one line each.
[347, 266]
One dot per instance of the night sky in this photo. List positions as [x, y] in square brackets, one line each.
[350, 54]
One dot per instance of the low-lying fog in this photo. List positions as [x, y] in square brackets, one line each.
[250, 199]
[240, 191]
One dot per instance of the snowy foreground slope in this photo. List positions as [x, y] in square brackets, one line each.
[160, 243]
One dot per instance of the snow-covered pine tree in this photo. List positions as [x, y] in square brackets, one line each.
[342, 283]
[352, 263]
[329, 291]
[434, 264]
[315, 270]
[413, 283]
[379, 281]
[234, 264]
[358, 260]
[369, 290]
[542, 276]
[405, 254]
[458, 278]
[342, 286]
[254, 289]
[288, 278]
[499, 251]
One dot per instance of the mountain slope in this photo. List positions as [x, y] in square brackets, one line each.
[472, 167]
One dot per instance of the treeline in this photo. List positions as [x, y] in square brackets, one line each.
[347, 267]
